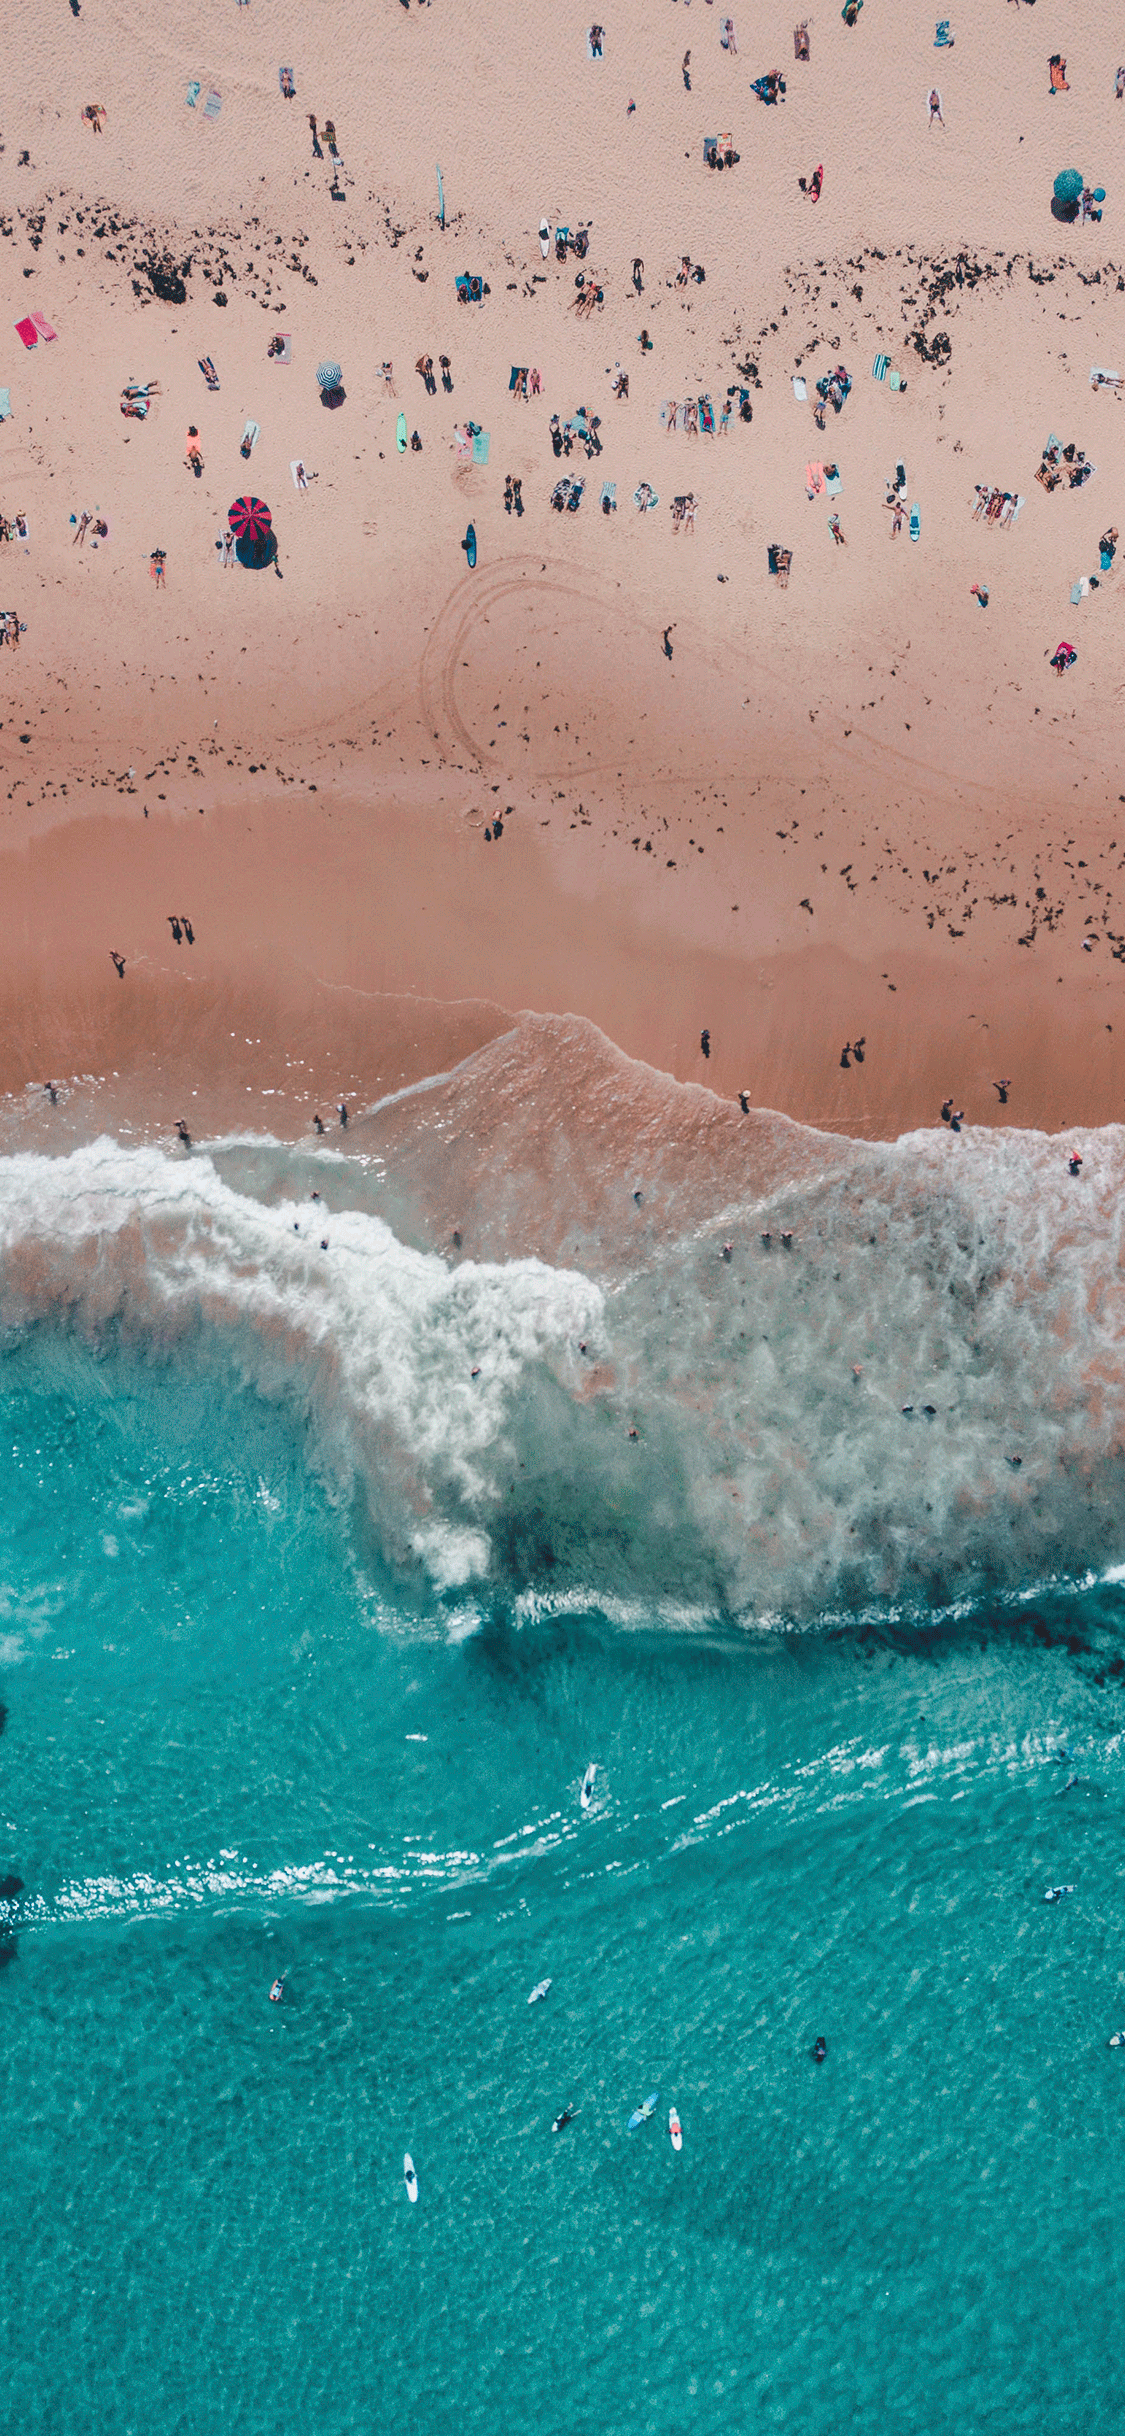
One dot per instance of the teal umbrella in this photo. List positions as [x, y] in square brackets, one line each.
[1068, 185]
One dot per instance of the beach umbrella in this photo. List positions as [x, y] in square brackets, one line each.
[1068, 185]
[330, 376]
[249, 519]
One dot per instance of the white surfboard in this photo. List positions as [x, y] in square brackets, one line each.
[588, 1784]
[544, 238]
[675, 2131]
[539, 1991]
[409, 2176]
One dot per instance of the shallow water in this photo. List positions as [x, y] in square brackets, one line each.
[268, 1710]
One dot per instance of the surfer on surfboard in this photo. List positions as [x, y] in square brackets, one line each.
[409, 2176]
[539, 1991]
[675, 2129]
[588, 1784]
[567, 2116]
[644, 2114]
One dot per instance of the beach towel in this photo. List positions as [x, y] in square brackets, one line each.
[710, 148]
[1077, 590]
[299, 472]
[213, 104]
[894, 380]
[800, 389]
[668, 415]
[814, 479]
[1053, 442]
[400, 434]
[608, 491]
[250, 431]
[915, 522]
[707, 417]
[591, 53]
[285, 80]
[880, 367]
[284, 353]
[461, 283]
[193, 92]
[641, 501]
[43, 326]
[1016, 509]
[575, 499]
[5, 404]
[480, 447]
[833, 483]
[464, 440]
[943, 39]
[1101, 379]
[28, 332]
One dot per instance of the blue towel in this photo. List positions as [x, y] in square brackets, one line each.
[480, 448]
[5, 404]
[880, 367]
[943, 39]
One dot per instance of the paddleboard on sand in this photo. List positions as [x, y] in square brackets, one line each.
[675, 2130]
[569, 2112]
[642, 2114]
[409, 2176]
[588, 1784]
[469, 545]
[544, 238]
[539, 1991]
[400, 434]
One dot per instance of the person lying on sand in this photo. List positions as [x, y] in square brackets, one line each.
[935, 117]
[813, 185]
[801, 39]
[1057, 66]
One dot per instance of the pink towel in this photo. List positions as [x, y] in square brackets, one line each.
[43, 326]
[814, 479]
[28, 332]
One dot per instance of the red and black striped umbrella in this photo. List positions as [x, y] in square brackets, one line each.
[249, 519]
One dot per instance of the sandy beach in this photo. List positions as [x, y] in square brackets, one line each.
[860, 806]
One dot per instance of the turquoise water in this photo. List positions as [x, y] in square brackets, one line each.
[243, 1737]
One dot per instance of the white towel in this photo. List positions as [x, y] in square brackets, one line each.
[800, 389]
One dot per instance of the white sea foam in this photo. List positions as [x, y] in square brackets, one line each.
[774, 1474]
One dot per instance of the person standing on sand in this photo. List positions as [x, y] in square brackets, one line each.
[80, 535]
[638, 274]
[1003, 1087]
[686, 71]
[834, 529]
[342, 1111]
[705, 1042]
[118, 963]
[668, 633]
[317, 153]
[935, 107]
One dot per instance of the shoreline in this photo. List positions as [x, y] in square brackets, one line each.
[360, 945]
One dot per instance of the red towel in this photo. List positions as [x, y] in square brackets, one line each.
[28, 332]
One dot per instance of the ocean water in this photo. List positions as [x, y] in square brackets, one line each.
[323, 1575]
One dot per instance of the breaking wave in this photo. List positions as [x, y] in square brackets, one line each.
[916, 1402]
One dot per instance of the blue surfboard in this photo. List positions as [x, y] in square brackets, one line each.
[642, 2114]
[469, 545]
